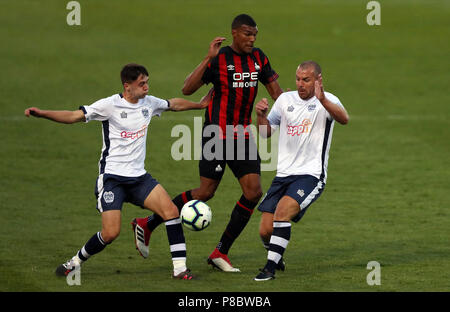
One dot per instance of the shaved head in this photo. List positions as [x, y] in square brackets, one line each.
[311, 64]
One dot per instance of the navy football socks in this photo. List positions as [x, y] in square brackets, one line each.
[278, 243]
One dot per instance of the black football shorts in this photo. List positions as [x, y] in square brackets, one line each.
[240, 155]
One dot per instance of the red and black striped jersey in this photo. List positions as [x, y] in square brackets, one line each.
[235, 79]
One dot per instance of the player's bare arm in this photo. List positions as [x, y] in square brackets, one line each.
[262, 107]
[336, 111]
[194, 81]
[67, 117]
[274, 89]
[179, 104]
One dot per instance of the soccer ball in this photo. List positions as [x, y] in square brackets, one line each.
[196, 215]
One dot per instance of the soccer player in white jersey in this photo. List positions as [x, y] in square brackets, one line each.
[305, 119]
[122, 177]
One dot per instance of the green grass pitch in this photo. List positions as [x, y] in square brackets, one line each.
[387, 197]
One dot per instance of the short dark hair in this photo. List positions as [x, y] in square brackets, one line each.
[314, 65]
[131, 72]
[243, 19]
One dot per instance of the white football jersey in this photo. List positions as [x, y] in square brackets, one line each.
[306, 129]
[125, 127]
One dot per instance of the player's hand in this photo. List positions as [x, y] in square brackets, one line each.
[318, 88]
[33, 111]
[204, 102]
[262, 107]
[214, 46]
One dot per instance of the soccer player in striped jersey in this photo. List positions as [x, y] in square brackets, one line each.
[234, 72]
[305, 118]
[122, 177]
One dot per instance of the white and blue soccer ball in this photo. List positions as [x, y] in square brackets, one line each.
[196, 215]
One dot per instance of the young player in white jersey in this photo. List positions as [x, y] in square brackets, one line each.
[305, 119]
[122, 177]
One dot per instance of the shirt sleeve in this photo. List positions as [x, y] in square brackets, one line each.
[274, 116]
[159, 105]
[267, 74]
[100, 110]
[208, 74]
[332, 98]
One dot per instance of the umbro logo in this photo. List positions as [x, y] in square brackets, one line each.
[230, 67]
[290, 108]
[301, 193]
[123, 115]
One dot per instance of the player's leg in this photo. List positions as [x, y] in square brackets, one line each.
[143, 227]
[242, 211]
[299, 195]
[209, 181]
[247, 171]
[265, 232]
[111, 221]
[139, 192]
[267, 207]
[159, 202]
[204, 193]
[265, 228]
[286, 209]
[110, 197]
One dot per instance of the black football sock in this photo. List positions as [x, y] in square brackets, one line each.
[278, 243]
[182, 199]
[155, 220]
[93, 246]
[265, 243]
[239, 218]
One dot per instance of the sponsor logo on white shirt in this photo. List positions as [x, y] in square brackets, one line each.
[304, 127]
[311, 107]
[134, 134]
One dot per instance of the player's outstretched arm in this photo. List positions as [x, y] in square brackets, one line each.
[67, 117]
[179, 104]
[336, 111]
[194, 81]
[262, 107]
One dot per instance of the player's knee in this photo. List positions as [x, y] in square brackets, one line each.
[171, 212]
[253, 195]
[205, 195]
[109, 235]
[282, 214]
